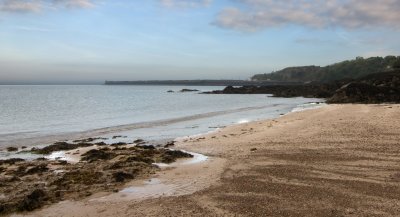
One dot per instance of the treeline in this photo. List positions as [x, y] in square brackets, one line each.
[350, 69]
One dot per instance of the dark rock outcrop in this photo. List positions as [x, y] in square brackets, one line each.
[12, 149]
[170, 156]
[100, 169]
[95, 154]
[381, 87]
[33, 201]
[61, 146]
[307, 90]
[122, 176]
[11, 161]
[188, 90]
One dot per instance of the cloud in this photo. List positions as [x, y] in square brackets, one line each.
[40, 5]
[75, 3]
[20, 6]
[254, 15]
[185, 3]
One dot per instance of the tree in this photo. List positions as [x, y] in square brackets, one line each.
[396, 64]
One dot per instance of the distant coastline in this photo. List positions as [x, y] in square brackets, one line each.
[201, 82]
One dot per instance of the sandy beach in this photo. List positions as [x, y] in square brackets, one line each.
[339, 160]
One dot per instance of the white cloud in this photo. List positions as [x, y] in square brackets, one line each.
[75, 3]
[253, 15]
[40, 5]
[20, 6]
[185, 3]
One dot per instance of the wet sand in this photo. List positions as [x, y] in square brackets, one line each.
[339, 160]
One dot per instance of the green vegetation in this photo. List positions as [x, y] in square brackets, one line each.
[349, 69]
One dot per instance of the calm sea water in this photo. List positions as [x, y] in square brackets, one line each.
[31, 115]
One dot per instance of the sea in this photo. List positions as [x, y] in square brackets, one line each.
[38, 115]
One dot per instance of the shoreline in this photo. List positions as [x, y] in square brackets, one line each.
[339, 160]
[57, 158]
[326, 158]
[123, 131]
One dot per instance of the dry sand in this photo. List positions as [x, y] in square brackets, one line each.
[339, 160]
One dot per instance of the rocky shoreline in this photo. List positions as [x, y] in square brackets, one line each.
[29, 185]
[383, 87]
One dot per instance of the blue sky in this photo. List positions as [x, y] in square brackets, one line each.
[97, 40]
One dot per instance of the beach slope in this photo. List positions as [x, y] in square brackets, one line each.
[339, 160]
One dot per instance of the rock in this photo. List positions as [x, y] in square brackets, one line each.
[253, 149]
[88, 140]
[118, 144]
[139, 141]
[37, 169]
[306, 90]
[60, 146]
[169, 144]
[94, 155]
[23, 147]
[188, 90]
[12, 149]
[146, 160]
[170, 156]
[146, 147]
[11, 161]
[122, 176]
[170, 91]
[381, 87]
[33, 201]
[79, 177]
[62, 162]
[101, 144]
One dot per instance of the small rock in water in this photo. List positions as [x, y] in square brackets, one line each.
[12, 149]
[139, 141]
[188, 90]
[169, 144]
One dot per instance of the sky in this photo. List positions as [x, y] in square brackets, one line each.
[86, 41]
